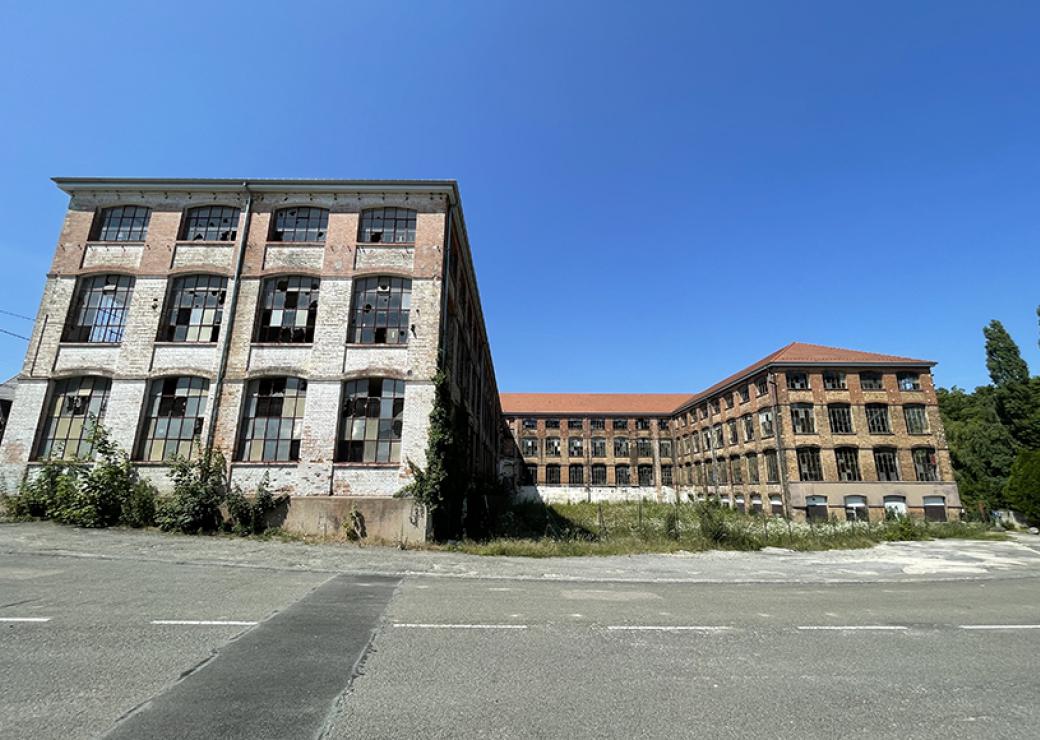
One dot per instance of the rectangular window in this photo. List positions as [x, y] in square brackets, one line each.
[599, 447]
[752, 468]
[816, 508]
[597, 424]
[749, 427]
[716, 409]
[662, 424]
[530, 446]
[74, 407]
[761, 385]
[877, 418]
[871, 381]
[575, 447]
[909, 381]
[576, 474]
[642, 423]
[803, 418]
[716, 437]
[840, 416]
[575, 424]
[599, 475]
[798, 381]
[380, 310]
[665, 446]
[745, 394]
[194, 309]
[100, 309]
[736, 472]
[772, 467]
[646, 475]
[731, 428]
[530, 475]
[848, 463]
[834, 380]
[809, 468]
[122, 224]
[666, 475]
[620, 424]
[886, 464]
[622, 475]
[387, 225]
[211, 224]
[644, 448]
[272, 421]
[925, 464]
[530, 423]
[552, 446]
[722, 471]
[552, 475]
[620, 446]
[173, 419]
[706, 438]
[304, 224]
[916, 419]
[372, 419]
[288, 310]
[729, 400]
[765, 420]
[552, 423]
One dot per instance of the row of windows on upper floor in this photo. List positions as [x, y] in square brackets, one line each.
[596, 423]
[833, 380]
[286, 313]
[644, 447]
[129, 223]
[270, 428]
[840, 417]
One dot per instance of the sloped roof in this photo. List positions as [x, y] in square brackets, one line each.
[592, 404]
[606, 404]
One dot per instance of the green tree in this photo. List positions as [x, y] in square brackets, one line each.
[1003, 358]
[1023, 487]
[981, 447]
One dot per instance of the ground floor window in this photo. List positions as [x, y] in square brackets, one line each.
[272, 420]
[622, 475]
[776, 504]
[576, 475]
[599, 475]
[856, 508]
[173, 418]
[935, 508]
[666, 475]
[895, 506]
[530, 475]
[816, 508]
[552, 475]
[371, 421]
[738, 503]
[756, 504]
[646, 475]
[74, 407]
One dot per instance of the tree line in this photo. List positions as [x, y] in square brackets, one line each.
[994, 432]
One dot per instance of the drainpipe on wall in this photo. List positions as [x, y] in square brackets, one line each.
[229, 325]
[781, 458]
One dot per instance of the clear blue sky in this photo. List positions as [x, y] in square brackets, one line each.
[656, 193]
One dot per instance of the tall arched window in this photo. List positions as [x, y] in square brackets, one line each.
[100, 309]
[391, 225]
[194, 309]
[272, 420]
[173, 418]
[211, 224]
[74, 407]
[302, 224]
[122, 224]
[380, 310]
[371, 420]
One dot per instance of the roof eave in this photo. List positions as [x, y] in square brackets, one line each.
[71, 185]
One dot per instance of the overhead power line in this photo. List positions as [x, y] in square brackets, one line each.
[17, 315]
[14, 335]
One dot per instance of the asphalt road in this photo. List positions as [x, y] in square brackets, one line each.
[137, 648]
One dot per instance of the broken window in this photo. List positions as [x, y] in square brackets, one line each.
[288, 310]
[552, 423]
[622, 475]
[575, 424]
[776, 504]
[909, 381]
[380, 310]
[620, 446]
[749, 427]
[736, 471]
[816, 508]
[371, 421]
[304, 224]
[387, 225]
[100, 309]
[856, 508]
[173, 417]
[935, 508]
[716, 409]
[809, 468]
[886, 463]
[803, 418]
[756, 503]
[599, 447]
[877, 418]
[716, 436]
[74, 407]
[761, 385]
[765, 420]
[772, 467]
[916, 419]
[210, 224]
[666, 475]
[926, 464]
[729, 400]
[834, 380]
[706, 439]
[552, 446]
[798, 381]
[194, 309]
[272, 420]
[646, 475]
[840, 417]
[665, 446]
[576, 474]
[596, 424]
[620, 424]
[552, 475]
[731, 427]
[529, 446]
[530, 423]
[122, 224]
[871, 381]
[752, 468]
[662, 424]
[644, 448]
[847, 459]
[745, 394]
[599, 475]
[642, 423]
[575, 447]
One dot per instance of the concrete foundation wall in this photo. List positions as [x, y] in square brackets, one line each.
[398, 520]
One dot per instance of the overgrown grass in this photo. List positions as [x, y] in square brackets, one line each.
[560, 530]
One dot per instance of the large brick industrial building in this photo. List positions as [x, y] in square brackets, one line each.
[297, 326]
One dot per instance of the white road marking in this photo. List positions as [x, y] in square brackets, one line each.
[461, 626]
[668, 627]
[852, 627]
[205, 622]
[999, 626]
[25, 619]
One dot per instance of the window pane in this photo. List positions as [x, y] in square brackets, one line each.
[373, 409]
[271, 424]
[76, 405]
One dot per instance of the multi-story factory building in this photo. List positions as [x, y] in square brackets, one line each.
[809, 431]
[294, 325]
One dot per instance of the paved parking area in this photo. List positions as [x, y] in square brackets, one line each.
[151, 646]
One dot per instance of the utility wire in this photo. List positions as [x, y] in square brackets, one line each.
[17, 315]
[14, 335]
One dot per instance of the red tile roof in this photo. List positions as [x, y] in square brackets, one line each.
[650, 404]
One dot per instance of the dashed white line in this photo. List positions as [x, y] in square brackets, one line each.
[999, 626]
[852, 627]
[667, 627]
[25, 619]
[461, 626]
[206, 622]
